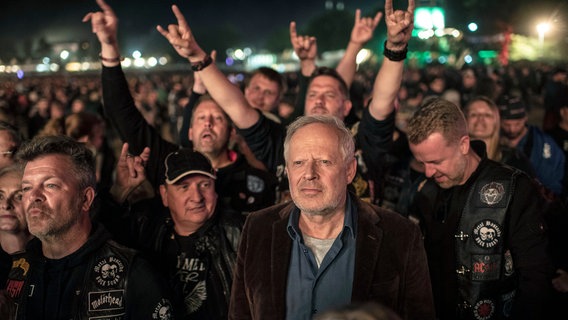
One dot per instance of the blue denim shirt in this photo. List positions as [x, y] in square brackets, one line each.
[310, 289]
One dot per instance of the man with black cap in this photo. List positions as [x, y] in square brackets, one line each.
[545, 155]
[194, 244]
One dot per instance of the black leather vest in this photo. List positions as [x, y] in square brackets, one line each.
[485, 273]
[104, 283]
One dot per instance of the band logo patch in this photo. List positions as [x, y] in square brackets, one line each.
[109, 271]
[14, 288]
[492, 193]
[485, 267]
[487, 234]
[255, 184]
[163, 311]
[484, 309]
[106, 300]
[21, 264]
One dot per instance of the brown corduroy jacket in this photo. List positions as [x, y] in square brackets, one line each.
[390, 264]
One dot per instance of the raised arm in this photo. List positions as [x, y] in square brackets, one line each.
[104, 24]
[306, 48]
[227, 95]
[119, 106]
[362, 32]
[387, 83]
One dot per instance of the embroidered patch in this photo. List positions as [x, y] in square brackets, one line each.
[509, 268]
[484, 309]
[492, 193]
[485, 267]
[16, 277]
[106, 300]
[14, 288]
[21, 264]
[109, 271]
[547, 151]
[255, 184]
[487, 234]
[163, 310]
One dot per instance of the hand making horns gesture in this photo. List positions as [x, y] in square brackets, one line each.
[399, 25]
[180, 37]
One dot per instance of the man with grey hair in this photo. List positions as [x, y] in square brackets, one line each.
[72, 270]
[482, 223]
[327, 248]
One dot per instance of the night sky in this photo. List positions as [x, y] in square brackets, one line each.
[254, 20]
[59, 19]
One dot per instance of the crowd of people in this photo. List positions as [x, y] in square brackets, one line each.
[330, 193]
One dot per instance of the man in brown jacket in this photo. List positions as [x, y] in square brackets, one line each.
[327, 248]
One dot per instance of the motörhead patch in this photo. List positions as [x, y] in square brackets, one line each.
[106, 300]
[163, 310]
[485, 267]
[491, 195]
[108, 272]
[487, 234]
[484, 309]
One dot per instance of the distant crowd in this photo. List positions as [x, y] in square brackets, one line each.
[326, 193]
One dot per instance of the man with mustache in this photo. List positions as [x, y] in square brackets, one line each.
[194, 243]
[327, 248]
[61, 275]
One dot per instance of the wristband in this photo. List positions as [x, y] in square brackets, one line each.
[395, 55]
[119, 59]
[198, 66]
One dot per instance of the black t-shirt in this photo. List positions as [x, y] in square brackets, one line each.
[188, 276]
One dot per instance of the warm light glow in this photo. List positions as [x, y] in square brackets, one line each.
[543, 27]
[363, 55]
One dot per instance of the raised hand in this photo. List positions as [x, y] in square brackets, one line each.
[306, 47]
[399, 25]
[363, 28]
[103, 23]
[130, 172]
[181, 38]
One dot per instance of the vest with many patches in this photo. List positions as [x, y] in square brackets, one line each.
[485, 274]
[103, 289]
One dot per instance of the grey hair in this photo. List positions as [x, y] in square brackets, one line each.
[82, 158]
[346, 140]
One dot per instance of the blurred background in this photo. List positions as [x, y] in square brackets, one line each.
[48, 36]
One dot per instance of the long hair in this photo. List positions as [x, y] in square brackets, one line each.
[493, 143]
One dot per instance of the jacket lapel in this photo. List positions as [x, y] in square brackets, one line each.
[281, 248]
[369, 239]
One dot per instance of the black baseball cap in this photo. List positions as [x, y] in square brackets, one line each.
[514, 108]
[184, 162]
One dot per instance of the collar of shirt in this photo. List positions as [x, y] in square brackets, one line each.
[349, 220]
